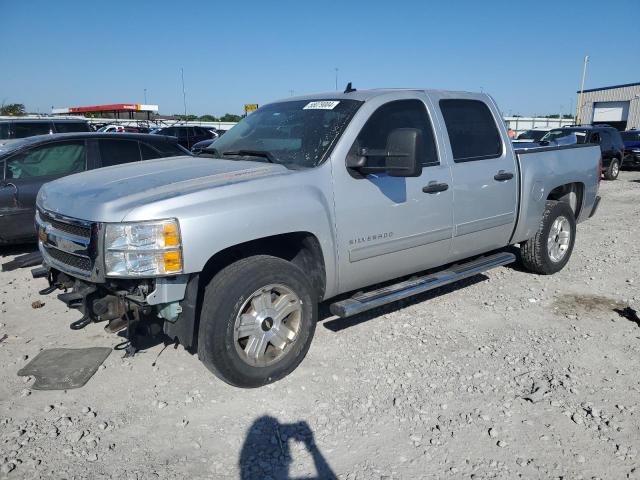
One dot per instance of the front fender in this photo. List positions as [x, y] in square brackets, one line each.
[218, 218]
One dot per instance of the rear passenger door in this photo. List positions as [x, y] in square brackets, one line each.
[484, 174]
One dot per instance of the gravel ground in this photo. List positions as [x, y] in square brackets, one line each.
[506, 375]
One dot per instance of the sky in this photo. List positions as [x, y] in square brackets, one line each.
[528, 55]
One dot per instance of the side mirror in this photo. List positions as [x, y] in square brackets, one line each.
[402, 153]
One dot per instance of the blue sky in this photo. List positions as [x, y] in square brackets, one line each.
[70, 53]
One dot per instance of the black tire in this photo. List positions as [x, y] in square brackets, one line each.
[612, 172]
[534, 252]
[223, 298]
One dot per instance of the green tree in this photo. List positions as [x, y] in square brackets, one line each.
[207, 118]
[13, 109]
[188, 118]
[230, 117]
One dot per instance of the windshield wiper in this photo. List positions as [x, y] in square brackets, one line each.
[252, 153]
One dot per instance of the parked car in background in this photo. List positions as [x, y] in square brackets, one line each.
[631, 139]
[310, 198]
[26, 164]
[609, 139]
[187, 135]
[123, 129]
[200, 146]
[29, 127]
[532, 135]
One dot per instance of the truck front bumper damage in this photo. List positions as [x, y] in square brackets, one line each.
[165, 304]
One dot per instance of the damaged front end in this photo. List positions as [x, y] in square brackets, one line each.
[74, 261]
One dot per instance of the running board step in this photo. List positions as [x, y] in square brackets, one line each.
[414, 286]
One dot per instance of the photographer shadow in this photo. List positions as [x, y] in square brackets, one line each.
[266, 452]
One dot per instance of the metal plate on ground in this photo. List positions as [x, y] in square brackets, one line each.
[64, 368]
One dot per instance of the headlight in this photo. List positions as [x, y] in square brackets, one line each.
[143, 249]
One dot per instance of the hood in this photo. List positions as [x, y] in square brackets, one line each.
[108, 194]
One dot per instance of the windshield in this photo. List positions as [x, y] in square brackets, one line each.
[630, 136]
[535, 135]
[560, 133]
[297, 134]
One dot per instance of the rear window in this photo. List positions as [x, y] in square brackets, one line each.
[116, 152]
[472, 131]
[29, 129]
[70, 127]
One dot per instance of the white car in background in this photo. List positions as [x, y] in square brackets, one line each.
[112, 129]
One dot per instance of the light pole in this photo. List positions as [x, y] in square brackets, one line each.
[336, 70]
[584, 74]
[145, 96]
[184, 95]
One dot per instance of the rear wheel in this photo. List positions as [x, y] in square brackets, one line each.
[257, 321]
[549, 250]
[612, 172]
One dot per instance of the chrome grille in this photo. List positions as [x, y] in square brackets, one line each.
[68, 244]
[74, 261]
[70, 228]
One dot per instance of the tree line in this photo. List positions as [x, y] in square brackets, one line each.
[18, 109]
[227, 117]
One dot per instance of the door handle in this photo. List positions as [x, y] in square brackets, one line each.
[501, 176]
[435, 187]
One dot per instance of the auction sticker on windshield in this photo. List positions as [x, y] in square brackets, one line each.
[321, 105]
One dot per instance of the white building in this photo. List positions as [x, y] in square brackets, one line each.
[618, 106]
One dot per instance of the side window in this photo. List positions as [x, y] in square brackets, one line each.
[169, 149]
[4, 130]
[181, 133]
[170, 131]
[393, 115]
[62, 158]
[595, 138]
[472, 131]
[69, 127]
[29, 129]
[116, 152]
[149, 153]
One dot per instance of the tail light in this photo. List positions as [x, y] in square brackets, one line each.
[600, 170]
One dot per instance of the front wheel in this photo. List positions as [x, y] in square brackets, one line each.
[257, 320]
[548, 251]
[613, 171]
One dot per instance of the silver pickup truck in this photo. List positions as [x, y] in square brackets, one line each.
[386, 192]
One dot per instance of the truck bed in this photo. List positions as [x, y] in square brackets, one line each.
[543, 169]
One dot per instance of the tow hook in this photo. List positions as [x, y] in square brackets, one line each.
[78, 300]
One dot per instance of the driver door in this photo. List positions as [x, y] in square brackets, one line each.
[392, 226]
[25, 173]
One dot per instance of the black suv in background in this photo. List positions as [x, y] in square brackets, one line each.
[631, 139]
[28, 127]
[27, 164]
[187, 136]
[609, 139]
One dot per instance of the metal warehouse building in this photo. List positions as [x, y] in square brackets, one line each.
[618, 105]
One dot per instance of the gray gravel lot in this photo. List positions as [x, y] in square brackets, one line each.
[514, 375]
